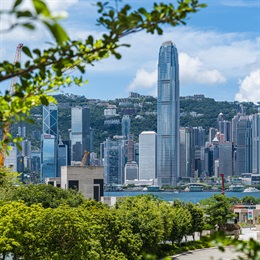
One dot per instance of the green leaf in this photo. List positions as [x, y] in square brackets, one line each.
[44, 101]
[23, 14]
[58, 32]
[17, 2]
[27, 51]
[41, 8]
[29, 26]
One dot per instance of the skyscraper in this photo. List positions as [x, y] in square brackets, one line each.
[243, 146]
[187, 152]
[49, 142]
[168, 115]
[114, 160]
[80, 133]
[147, 155]
[256, 143]
[224, 127]
[50, 120]
[126, 123]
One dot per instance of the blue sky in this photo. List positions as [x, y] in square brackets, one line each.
[219, 51]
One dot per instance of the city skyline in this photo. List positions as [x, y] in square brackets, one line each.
[218, 51]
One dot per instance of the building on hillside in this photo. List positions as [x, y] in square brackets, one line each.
[168, 116]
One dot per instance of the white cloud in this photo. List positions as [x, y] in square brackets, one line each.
[194, 70]
[143, 80]
[249, 89]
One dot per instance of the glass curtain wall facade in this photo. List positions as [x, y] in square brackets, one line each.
[243, 146]
[126, 124]
[256, 144]
[114, 161]
[80, 133]
[49, 157]
[49, 142]
[50, 120]
[168, 116]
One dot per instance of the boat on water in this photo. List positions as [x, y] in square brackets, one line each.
[251, 189]
[236, 188]
[152, 188]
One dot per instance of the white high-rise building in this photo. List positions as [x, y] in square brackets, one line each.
[147, 155]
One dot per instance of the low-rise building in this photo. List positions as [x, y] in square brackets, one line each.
[89, 180]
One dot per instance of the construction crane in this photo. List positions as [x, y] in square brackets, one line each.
[84, 159]
[17, 58]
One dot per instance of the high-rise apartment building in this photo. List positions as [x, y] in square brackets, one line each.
[168, 115]
[147, 155]
[80, 133]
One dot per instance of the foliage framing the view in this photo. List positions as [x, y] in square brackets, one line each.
[44, 70]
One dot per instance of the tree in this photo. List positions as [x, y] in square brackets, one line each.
[218, 210]
[181, 224]
[44, 71]
[143, 215]
[46, 195]
[18, 230]
[197, 218]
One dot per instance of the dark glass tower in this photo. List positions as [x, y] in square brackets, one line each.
[168, 116]
[80, 133]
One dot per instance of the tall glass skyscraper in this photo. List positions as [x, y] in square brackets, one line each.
[80, 133]
[168, 115]
[49, 142]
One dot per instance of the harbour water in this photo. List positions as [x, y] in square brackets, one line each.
[193, 197]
